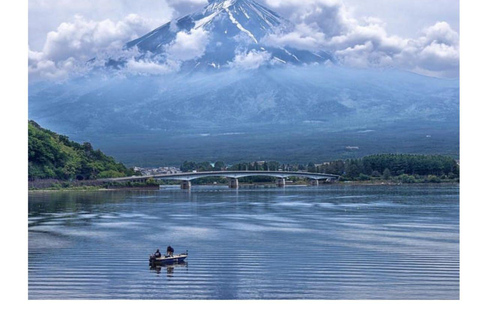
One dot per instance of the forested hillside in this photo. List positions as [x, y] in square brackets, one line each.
[54, 156]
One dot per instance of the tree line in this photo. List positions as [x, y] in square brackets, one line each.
[189, 166]
[387, 166]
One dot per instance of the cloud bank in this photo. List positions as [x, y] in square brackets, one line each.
[328, 24]
[318, 25]
[69, 48]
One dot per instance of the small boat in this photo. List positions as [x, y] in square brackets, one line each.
[167, 259]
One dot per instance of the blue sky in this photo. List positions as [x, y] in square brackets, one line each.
[424, 34]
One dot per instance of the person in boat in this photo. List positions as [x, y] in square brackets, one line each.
[170, 251]
[158, 254]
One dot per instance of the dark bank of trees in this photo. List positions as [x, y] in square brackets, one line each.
[189, 166]
[54, 156]
[404, 168]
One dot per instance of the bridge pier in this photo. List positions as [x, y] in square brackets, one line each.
[186, 185]
[314, 183]
[233, 183]
[281, 182]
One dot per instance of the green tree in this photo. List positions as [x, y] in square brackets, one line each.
[188, 166]
[363, 177]
[406, 178]
[387, 175]
[433, 179]
[352, 169]
[219, 166]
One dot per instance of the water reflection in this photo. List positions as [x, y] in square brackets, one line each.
[170, 268]
[44, 202]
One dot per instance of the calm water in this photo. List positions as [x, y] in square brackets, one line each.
[333, 242]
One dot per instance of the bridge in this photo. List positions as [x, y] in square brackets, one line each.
[233, 176]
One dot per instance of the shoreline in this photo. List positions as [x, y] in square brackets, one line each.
[248, 186]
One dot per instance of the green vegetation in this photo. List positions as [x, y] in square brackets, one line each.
[202, 167]
[405, 168]
[54, 156]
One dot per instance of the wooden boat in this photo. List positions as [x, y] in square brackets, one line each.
[167, 259]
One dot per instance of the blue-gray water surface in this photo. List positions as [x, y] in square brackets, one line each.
[327, 242]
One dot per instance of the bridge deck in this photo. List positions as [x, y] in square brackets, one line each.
[189, 176]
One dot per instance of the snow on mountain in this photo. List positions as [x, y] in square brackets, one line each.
[221, 34]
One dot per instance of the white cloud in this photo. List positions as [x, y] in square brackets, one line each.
[72, 44]
[300, 38]
[441, 32]
[150, 67]
[183, 3]
[188, 45]
[83, 39]
[251, 60]
[328, 25]
[436, 52]
[46, 15]
[40, 67]
[330, 17]
[68, 48]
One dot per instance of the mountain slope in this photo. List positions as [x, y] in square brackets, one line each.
[54, 156]
[279, 113]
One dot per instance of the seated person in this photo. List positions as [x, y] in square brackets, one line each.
[158, 254]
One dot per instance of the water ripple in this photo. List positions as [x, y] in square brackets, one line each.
[299, 243]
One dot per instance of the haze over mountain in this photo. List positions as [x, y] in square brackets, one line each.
[233, 97]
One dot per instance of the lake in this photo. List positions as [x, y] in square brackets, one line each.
[328, 242]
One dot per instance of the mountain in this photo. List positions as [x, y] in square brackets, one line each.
[232, 28]
[285, 114]
[300, 108]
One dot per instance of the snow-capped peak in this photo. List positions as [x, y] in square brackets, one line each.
[233, 27]
[220, 4]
